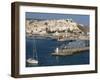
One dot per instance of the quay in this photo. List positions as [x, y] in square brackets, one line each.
[65, 52]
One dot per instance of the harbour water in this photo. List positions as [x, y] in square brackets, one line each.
[46, 46]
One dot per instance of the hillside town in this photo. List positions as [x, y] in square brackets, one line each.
[62, 29]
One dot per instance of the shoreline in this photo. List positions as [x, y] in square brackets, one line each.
[56, 37]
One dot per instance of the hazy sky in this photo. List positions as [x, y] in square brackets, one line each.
[81, 19]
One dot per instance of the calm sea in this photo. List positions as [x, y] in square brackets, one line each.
[45, 46]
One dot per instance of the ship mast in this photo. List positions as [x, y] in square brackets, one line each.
[35, 50]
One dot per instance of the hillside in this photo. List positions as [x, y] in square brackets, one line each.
[85, 29]
[62, 28]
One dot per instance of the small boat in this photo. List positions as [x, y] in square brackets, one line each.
[61, 38]
[34, 59]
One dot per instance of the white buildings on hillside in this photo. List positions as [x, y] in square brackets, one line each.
[42, 27]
